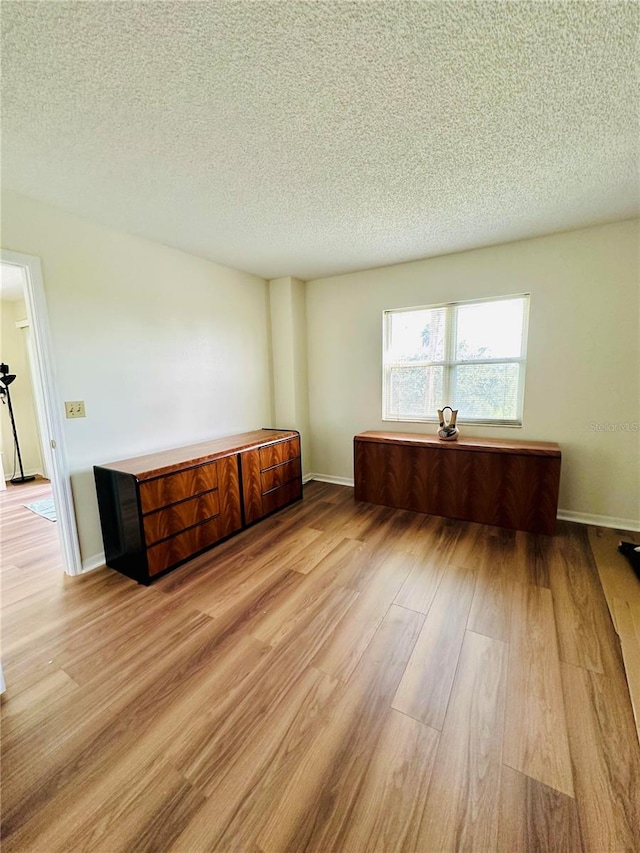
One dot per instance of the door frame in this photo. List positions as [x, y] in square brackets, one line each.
[47, 406]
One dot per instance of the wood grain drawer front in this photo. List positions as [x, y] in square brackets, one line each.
[182, 546]
[251, 485]
[282, 496]
[229, 495]
[276, 454]
[176, 487]
[167, 522]
[272, 478]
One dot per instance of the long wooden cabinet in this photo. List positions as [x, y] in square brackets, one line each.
[505, 483]
[158, 511]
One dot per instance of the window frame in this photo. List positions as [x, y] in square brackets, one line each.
[450, 362]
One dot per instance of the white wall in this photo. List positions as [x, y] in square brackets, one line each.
[13, 351]
[583, 357]
[165, 348]
[289, 353]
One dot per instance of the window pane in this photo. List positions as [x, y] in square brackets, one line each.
[417, 335]
[490, 330]
[486, 391]
[414, 391]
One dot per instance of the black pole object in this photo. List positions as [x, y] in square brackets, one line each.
[6, 381]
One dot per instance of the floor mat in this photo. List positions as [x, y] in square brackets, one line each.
[45, 508]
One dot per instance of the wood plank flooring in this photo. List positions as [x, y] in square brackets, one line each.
[622, 592]
[340, 678]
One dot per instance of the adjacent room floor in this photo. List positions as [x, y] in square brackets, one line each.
[341, 677]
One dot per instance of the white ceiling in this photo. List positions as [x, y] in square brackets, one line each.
[307, 138]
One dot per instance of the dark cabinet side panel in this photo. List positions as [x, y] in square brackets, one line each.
[120, 520]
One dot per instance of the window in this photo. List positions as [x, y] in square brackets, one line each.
[468, 355]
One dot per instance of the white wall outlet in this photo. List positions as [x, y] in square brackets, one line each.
[75, 409]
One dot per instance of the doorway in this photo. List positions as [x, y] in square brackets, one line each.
[23, 272]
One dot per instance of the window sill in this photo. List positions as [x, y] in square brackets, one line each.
[459, 422]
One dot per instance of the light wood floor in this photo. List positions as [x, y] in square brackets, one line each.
[341, 677]
[622, 591]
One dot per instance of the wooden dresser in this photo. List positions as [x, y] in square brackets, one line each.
[158, 511]
[506, 483]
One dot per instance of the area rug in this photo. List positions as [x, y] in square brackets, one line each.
[46, 508]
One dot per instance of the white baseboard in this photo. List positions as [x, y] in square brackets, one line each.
[599, 520]
[92, 563]
[326, 478]
[563, 514]
[29, 472]
[306, 478]
[98, 560]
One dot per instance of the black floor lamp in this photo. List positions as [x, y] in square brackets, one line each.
[6, 379]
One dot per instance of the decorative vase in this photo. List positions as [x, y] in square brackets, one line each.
[447, 429]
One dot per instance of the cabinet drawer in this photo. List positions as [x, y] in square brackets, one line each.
[281, 474]
[275, 454]
[280, 497]
[166, 522]
[182, 546]
[176, 487]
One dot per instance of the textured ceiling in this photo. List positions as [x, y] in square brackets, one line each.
[295, 138]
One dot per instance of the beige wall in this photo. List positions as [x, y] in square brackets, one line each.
[168, 349]
[289, 353]
[583, 358]
[164, 348]
[13, 351]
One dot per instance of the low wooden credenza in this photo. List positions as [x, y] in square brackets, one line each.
[505, 483]
[158, 511]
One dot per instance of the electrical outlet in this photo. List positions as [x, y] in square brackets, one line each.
[75, 409]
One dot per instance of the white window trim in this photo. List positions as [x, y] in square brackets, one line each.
[450, 361]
